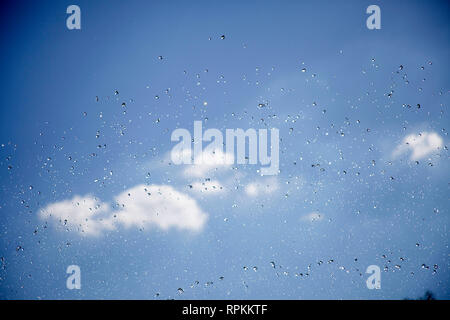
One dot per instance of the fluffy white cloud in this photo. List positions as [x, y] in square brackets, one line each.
[262, 187]
[161, 206]
[420, 145]
[313, 217]
[86, 215]
[142, 206]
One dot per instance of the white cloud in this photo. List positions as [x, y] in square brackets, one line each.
[262, 187]
[209, 187]
[313, 217]
[161, 206]
[142, 206]
[85, 214]
[420, 145]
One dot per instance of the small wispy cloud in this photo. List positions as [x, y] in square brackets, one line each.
[313, 217]
[420, 145]
[208, 187]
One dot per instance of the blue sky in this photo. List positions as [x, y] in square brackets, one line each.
[363, 176]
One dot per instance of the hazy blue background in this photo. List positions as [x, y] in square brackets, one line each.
[51, 76]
